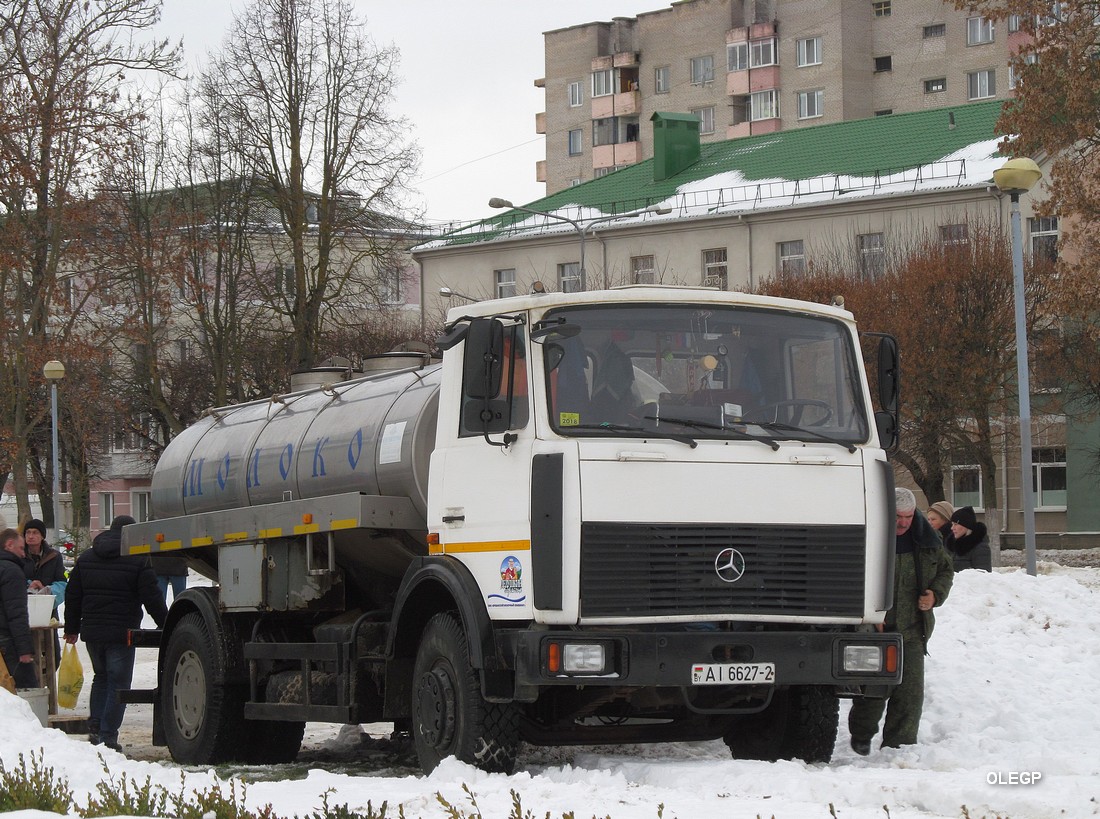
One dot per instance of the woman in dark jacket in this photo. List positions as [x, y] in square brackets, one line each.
[969, 547]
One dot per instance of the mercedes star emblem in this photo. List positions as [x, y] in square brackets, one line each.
[729, 565]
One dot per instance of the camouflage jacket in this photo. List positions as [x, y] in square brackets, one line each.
[928, 566]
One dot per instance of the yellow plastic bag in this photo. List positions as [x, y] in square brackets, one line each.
[70, 677]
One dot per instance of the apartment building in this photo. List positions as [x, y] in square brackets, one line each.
[751, 67]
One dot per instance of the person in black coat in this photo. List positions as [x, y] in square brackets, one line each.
[969, 547]
[102, 603]
[16, 644]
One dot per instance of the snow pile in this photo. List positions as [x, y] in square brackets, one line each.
[1011, 728]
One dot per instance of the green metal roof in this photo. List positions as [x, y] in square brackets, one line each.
[867, 148]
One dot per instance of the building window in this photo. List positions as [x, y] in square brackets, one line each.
[979, 30]
[643, 270]
[603, 132]
[570, 277]
[141, 505]
[576, 142]
[792, 258]
[1048, 477]
[764, 105]
[505, 282]
[602, 83]
[809, 52]
[598, 172]
[284, 281]
[885, 112]
[936, 86]
[872, 255]
[737, 56]
[576, 94]
[661, 83]
[811, 104]
[1016, 74]
[981, 84]
[1044, 237]
[935, 30]
[955, 235]
[881, 9]
[763, 52]
[715, 271]
[183, 350]
[106, 508]
[706, 119]
[966, 486]
[883, 63]
[389, 285]
[574, 182]
[702, 69]
[133, 434]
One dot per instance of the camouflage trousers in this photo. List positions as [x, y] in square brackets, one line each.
[903, 707]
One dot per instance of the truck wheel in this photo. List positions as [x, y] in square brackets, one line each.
[203, 717]
[449, 715]
[800, 723]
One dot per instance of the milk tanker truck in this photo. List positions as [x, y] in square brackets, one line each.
[636, 515]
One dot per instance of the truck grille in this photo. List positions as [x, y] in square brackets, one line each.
[631, 570]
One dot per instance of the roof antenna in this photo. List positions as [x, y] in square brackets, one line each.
[951, 120]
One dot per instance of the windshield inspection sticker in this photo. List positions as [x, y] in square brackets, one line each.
[569, 419]
[511, 584]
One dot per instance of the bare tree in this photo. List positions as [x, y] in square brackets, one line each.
[62, 65]
[310, 93]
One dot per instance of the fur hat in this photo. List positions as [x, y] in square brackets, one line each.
[34, 523]
[966, 518]
[944, 509]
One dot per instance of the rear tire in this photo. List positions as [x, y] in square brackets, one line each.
[203, 717]
[449, 715]
[800, 723]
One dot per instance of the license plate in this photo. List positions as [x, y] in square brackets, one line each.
[733, 674]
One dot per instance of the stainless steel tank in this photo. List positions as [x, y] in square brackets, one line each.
[373, 435]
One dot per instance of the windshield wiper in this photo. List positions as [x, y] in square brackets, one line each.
[818, 435]
[732, 431]
[607, 426]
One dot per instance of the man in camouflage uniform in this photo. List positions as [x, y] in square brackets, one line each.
[922, 580]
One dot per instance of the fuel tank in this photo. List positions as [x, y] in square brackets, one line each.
[373, 435]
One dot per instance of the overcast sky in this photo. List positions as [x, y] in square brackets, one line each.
[468, 91]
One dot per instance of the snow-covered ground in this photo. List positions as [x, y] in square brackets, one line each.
[1011, 729]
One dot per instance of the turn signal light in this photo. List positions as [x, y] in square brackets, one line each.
[553, 659]
[307, 517]
[891, 659]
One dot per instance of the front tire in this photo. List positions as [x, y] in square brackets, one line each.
[449, 715]
[800, 723]
[203, 716]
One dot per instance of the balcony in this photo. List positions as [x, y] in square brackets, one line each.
[603, 63]
[763, 79]
[626, 59]
[540, 170]
[612, 156]
[741, 129]
[737, 83]
[540, 122]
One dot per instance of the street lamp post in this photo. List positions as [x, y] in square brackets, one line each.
[54, 371]
[582, 226]
[1015, 177]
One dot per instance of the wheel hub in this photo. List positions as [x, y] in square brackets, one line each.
[435, 705]
[189, 695]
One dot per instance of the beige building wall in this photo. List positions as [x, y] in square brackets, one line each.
[868, 64]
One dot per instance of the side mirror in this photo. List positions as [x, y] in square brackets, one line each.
[888, 373]
[887, 425]
[481, 364]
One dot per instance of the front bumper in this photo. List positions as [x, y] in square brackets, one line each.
[665, 658]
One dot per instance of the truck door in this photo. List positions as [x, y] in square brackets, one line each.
[486, 468]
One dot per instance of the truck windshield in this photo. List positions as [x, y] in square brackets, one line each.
[718, 372]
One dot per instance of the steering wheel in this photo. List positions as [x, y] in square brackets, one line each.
[770, 412]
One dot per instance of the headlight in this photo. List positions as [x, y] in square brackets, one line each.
[584, 659]
[862, 659]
